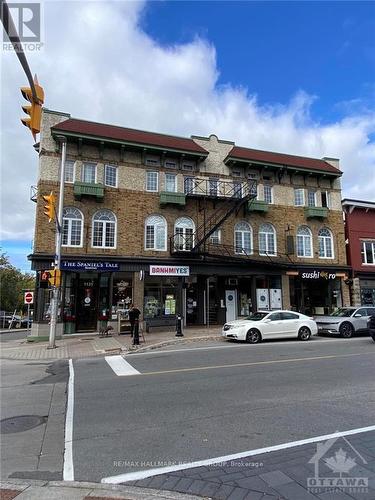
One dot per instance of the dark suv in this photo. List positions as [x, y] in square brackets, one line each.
[371, 326]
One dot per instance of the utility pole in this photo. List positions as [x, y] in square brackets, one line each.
[58, 217]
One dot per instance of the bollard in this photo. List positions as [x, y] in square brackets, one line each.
[179, 327]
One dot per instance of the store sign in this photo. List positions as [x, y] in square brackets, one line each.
[169, 270]
[315, 275]
[81, 265]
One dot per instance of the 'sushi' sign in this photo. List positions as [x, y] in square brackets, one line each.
[169, 270]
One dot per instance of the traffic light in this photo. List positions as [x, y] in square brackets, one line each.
[49, 208]
[54, 277]
[35, 109]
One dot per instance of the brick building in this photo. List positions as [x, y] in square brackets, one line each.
[194, 226]
[360, 238]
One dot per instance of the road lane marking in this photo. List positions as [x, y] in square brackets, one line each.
[254, 363]
[143, 474]
[120, 366]
[68, 473]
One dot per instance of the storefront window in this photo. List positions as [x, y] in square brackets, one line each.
[122, 295]
[160, 298]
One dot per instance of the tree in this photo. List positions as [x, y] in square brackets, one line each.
[12, 285]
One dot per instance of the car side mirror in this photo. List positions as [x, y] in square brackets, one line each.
[357, 315]
[267, 320]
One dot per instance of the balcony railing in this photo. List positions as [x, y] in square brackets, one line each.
[88, 189]
[216, 188]
[316, 212]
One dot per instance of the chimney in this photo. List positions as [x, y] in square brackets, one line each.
[335, 162]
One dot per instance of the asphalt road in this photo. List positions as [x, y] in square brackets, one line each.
[200, 403]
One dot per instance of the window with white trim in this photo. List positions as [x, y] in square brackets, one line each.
[237, 189]
[213, 186]
[189, 185]
[304, 242]
[267, 190]
[89, 173]
[368, 252]
[69, 171]
[326, 199]
[311, 198]
[184, 234]
[299, 197]
[72, 227]
[155, 233]
[325, 241]
[110, 175]
[215, 237]
[267, 240]
[104, 229]
[152, 183]
[171, 183]
[243, 238]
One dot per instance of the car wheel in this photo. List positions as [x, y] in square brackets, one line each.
[346, 330]
[304, 333]
[253, 336]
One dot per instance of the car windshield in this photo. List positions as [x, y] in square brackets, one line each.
[257, 316]
[343, 312]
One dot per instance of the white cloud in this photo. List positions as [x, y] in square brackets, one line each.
[99, 64]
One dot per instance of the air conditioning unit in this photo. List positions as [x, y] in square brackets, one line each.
[232, 281]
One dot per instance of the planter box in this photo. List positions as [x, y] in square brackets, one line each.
[88, 189]
[316, 212]
[257, 206]
[167, 198]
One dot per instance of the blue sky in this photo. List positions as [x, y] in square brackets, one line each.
[294, 77]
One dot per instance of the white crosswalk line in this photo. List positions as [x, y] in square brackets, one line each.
[121, 367]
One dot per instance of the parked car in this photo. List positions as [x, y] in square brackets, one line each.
[269, 325]
[346, 321]
[371, 326]
[15, 321]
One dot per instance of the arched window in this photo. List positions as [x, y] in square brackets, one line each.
[155, 233]
[325, 243]
[243, 238]
[267, 240]
[184, 234]
[72, 227]
[304, 242]
[104, 229]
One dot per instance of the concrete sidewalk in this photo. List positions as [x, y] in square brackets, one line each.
[60, 490]
[89, 345]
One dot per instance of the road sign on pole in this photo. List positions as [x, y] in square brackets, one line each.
[29, 297]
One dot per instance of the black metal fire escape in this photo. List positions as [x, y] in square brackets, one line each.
[228, 197]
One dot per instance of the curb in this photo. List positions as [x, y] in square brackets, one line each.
[130, 492]
[167, 343]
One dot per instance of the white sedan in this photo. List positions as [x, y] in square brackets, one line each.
[270, 325]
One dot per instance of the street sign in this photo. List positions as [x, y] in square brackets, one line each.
[29, 297]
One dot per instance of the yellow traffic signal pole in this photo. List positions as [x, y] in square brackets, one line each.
[58, 239]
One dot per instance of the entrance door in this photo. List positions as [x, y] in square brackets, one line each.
[231, 304]
[87, 305]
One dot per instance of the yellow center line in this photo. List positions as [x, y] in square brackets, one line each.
[254, 363]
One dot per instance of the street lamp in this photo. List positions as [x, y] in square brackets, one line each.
[59, 215]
